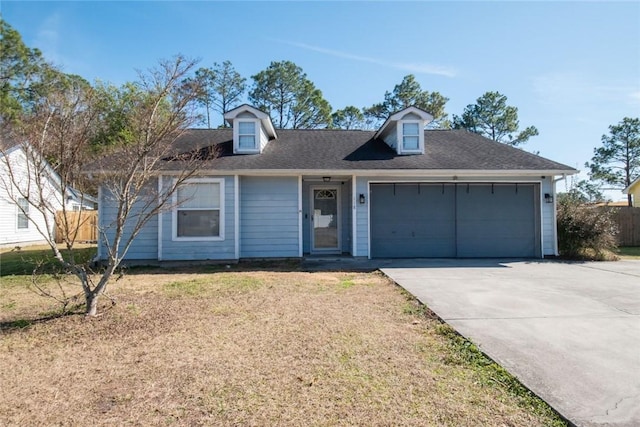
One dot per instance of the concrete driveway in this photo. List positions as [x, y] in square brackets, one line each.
[569, 331]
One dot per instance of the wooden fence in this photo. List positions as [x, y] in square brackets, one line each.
[628, 220]
[85, 222]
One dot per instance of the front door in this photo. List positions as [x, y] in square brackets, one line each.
[325, 219]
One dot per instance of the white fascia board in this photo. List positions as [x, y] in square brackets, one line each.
[450, 174]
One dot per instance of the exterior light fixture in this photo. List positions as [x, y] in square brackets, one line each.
[326, 178]
[361, 199]
[548, 198]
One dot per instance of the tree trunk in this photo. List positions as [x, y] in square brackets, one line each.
[92, 304]
[630, 202]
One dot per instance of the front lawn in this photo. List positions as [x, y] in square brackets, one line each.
[247, 346]
[628, 252]
[23, 260]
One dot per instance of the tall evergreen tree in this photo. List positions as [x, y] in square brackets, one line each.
[284, 91]
[617, 161]
[405, 94]
[22, 70]
[349, 117]
[221, 88]
[491, 117]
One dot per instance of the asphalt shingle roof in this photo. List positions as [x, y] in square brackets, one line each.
[296, 149]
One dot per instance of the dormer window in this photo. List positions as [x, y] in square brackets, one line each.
[410, 136]
[404, 131]
[252, 129]
[247, 136]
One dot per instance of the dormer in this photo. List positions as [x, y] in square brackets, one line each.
[404, 130]
[252, 129]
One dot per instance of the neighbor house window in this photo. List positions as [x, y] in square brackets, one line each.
[247, 138]
[200, 210]
[23, 213]
[411, 136]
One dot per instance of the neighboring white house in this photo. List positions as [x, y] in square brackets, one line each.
[20, 222]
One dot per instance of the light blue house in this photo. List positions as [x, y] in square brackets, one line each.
[400, 191]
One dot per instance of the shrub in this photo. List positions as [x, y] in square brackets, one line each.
[585, 231]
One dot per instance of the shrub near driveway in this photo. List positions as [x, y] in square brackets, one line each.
[250, 348]
[584, 232]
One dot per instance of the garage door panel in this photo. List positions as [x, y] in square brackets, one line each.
[496, 220]
[449, 220]
[412, 220]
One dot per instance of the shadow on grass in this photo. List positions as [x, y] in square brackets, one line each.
[12, 326]
[337, 264]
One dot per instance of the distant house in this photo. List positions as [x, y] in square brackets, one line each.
[634, 190]
[400, 191]
[15, 210]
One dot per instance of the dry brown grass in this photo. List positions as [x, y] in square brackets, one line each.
[242, 348]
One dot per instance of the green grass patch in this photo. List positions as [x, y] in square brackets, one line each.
[235, 282]
[221, 282]
[11, 305]
[25, 260]
[186, 287]
[347, 283]
[628, 252]
[487, 372]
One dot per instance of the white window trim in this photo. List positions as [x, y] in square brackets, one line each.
[174, 213]
[236, 136]
[401, 149]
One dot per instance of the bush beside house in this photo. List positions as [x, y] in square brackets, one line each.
[585, 232]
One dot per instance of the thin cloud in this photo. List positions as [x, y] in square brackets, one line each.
[48, 38]
[418, 68]
[52, 42]
[565, 89]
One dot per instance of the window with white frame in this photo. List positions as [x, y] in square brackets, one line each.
[247, 136]
[200, 210]
[410, 136]
[23, 214]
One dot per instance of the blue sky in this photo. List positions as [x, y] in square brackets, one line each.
[571, 68]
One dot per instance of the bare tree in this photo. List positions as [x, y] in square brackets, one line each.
[221, 89]
[126, 165]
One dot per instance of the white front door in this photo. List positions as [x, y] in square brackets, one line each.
[325, 219]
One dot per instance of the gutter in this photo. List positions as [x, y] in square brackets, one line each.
[452, 174]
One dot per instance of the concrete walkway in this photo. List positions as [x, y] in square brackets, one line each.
[569, 331]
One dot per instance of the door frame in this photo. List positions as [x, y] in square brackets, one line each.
[312, 248]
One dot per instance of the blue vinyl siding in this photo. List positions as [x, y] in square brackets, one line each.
[144, 246]
[207, 249]
[269, 221]
[269, 217]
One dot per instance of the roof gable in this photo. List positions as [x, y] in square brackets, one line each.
[635, 183]
[246, 110]
[413, 113]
